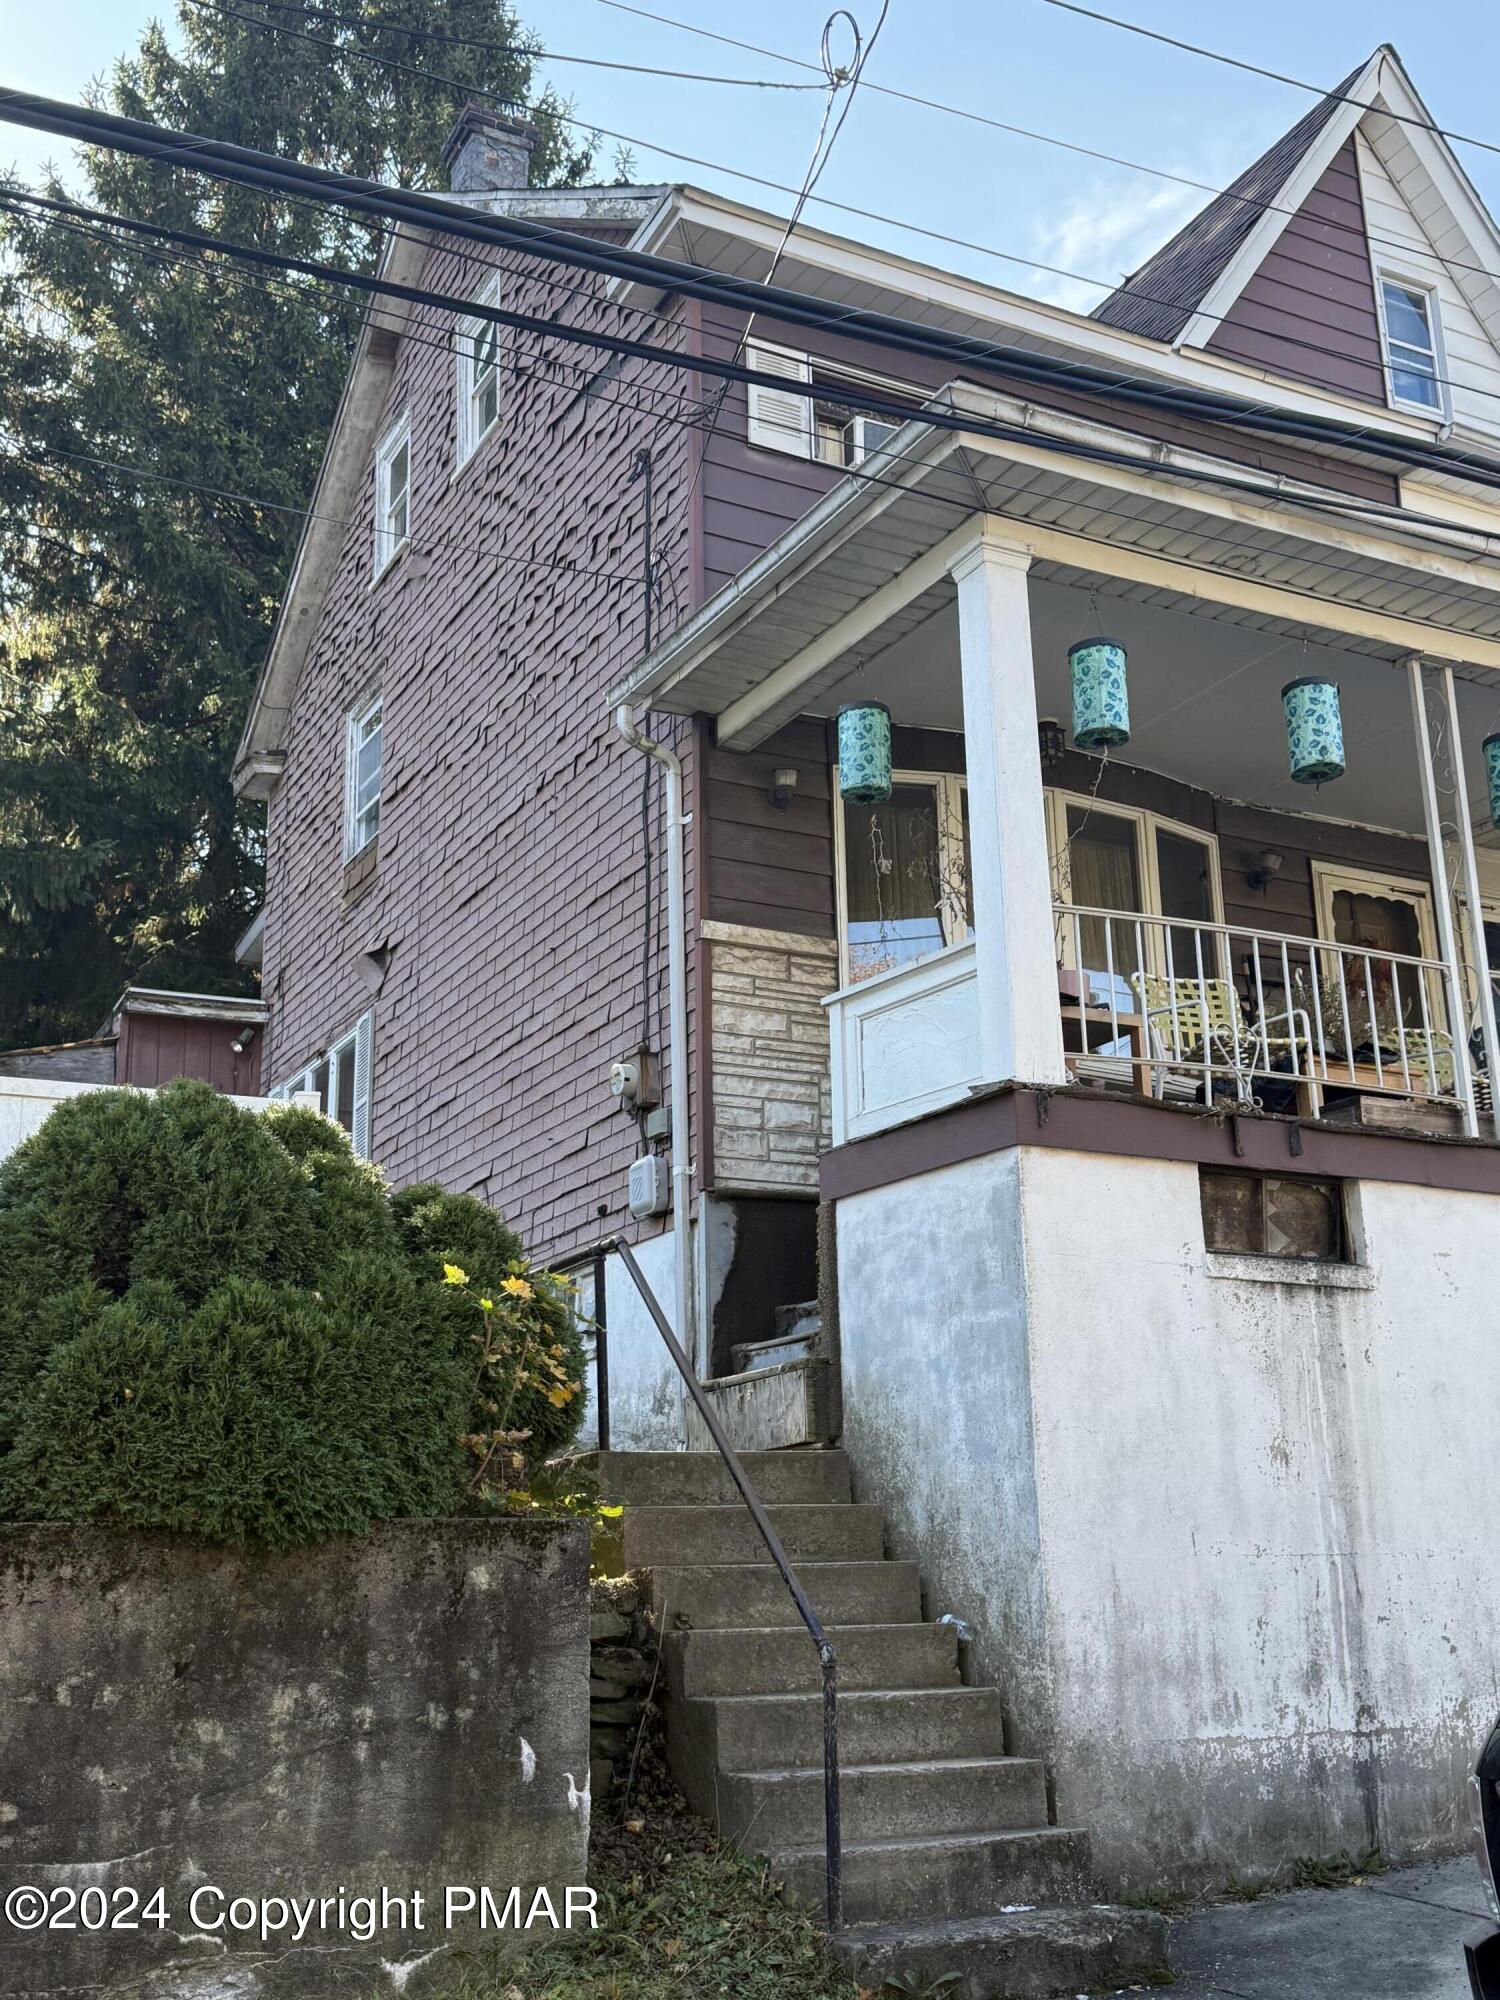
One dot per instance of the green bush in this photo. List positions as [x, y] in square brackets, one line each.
[220, 1323]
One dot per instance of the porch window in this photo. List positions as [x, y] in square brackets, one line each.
[341, 1081]
[1380, 914]
[1413, 351]
[392, 494]
[478, 373]
[903, 875]
[1117, 858]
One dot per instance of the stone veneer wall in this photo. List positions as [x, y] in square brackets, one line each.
[772, 1095]
[622, 1669]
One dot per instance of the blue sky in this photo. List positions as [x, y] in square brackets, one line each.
[1017, 60]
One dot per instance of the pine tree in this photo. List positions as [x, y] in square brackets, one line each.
[135, 609]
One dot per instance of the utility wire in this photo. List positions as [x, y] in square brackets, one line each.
[1274, 75]
[1261, 206]
[525, 52]
[246, 166]
[804, 194]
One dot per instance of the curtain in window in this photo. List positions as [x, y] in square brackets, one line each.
[893, 881]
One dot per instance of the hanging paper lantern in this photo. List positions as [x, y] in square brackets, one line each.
[1314, 730]
[865, 753]
[1101, 699]
[1491, 747]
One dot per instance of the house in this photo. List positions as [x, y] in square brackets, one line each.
[1088, 897]
[152, 1035]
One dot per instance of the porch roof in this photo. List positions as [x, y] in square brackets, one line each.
[869, 563]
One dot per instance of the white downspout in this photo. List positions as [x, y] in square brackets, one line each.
[682, 1173]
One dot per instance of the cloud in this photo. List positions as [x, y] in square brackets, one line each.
[1105, 232]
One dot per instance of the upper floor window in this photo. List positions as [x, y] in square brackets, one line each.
[362, 765]
[1413, 345]
[478, 376]
[833, 433]
[392, 493]
[340, 1080]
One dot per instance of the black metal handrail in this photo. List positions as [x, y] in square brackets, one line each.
[826, 1658]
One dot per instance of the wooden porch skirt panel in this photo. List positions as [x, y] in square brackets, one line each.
[1082, 1121]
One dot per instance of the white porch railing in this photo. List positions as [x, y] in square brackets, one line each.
[1173, 1009]
[1245, 1008]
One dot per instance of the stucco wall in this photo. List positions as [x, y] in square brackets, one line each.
[406, 1711]
[1258, 1517]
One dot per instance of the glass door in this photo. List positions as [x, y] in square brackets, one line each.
[903, 867]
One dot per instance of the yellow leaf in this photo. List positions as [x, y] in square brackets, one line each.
[454, 1274]
[517, 1288]
[611, 1513]
[488, 1304]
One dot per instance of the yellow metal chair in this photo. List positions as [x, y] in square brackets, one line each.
[1200, 1024]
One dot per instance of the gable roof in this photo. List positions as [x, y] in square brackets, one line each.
[1160, 299]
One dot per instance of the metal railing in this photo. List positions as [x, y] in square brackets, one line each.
[1164, 999]
[827, 1660]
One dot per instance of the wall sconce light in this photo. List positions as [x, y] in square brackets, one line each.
[1051, 740]
[1262, 876]
[783, 786]
[242, 1041]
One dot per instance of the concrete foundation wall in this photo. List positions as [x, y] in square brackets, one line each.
[408, 1711]
[1250, 1519]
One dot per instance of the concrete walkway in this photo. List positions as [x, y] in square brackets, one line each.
[1397, 1937]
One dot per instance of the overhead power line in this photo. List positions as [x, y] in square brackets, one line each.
[1258, 69]
[855, 397]
[886, 331]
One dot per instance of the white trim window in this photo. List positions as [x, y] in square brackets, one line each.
[340, 1080]
[392, 493]
[477, 375]
[1412, 336]
[831, 433]
[363, 766]
[902, 871]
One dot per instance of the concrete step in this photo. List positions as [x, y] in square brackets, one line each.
[781, 1659]
[950, 1875]
[715, 1534]
[778, 1731]
[842, 1593]
[784, 1809]
[697, 1478]
[1020, 1955]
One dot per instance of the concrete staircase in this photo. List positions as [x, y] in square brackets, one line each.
[950, 1862]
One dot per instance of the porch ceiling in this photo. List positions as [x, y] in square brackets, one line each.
[809, 612]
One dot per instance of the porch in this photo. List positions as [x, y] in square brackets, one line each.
[1176, 918]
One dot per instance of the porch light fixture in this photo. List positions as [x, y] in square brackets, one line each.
[1314, 730]
[783, 786]
[1491, 748]
[1101, 699]
[865, 753]
[1268, 867]
[1051, 741]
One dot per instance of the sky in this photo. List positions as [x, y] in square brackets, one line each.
[1009, 198]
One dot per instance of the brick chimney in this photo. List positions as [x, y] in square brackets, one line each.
[488, 150]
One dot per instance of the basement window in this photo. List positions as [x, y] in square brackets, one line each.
[1270, 1215]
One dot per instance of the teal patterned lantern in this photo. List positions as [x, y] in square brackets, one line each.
[865, 753]
[1491, 748]
[1314, 730]
[1101, 699]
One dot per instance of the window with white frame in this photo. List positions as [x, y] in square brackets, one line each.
[392, 493]
[363, 759]
[830, 432]
[477, 368]
[1413, 345]
[340, 1080]
[903, 874]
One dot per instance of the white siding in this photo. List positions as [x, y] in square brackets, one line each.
[1410, 233]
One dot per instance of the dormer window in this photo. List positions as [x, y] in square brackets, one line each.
[478, 376]
[392, 494]
[1413, 346]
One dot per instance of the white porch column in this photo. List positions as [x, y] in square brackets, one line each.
[1020, 1033]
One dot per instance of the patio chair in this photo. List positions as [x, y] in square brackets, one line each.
[1196, 1021]
[1444, 1071]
